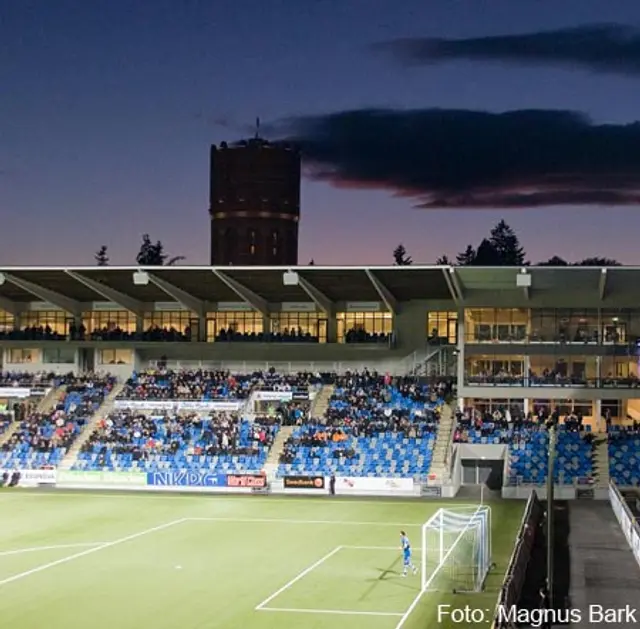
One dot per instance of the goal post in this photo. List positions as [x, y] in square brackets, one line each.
[456, 549]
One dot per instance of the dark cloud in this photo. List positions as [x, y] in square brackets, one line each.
[600, 48]
[459, 158]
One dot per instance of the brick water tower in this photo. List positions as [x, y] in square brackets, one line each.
[254, 203]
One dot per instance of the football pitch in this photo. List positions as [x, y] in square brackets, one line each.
[124, 561]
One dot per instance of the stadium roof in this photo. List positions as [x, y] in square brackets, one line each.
[194, 287]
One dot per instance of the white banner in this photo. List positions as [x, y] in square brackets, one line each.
[629, 527]
[19, 392]
[275, 396]
[356, 485]
[180, 405]
[90, 478]
[33, 478]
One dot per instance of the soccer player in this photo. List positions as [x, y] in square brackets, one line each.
[405, 545]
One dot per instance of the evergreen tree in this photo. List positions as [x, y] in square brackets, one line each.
[101, 257]
[153, 254]
[487, 255]
[444, 261]
[311, 262]
[467, 257]
[400, 256]
[598, 262]
[506, 245]
[554, 261]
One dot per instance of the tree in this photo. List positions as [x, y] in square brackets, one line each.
[598, 262]
[506, 245]
[312, 262]
[467, 257]
[153, 254]
[487, 255]
[101, 257]
[400, 256]
[444, 260]
[554, 261]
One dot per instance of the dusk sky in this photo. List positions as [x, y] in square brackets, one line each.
[108, 108]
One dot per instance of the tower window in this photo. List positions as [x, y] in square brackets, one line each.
[252, 242]
[275, 241]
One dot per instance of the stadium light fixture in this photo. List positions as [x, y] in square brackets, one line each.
[140, 278]
[290, 278]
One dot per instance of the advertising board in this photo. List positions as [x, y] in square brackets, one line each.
[33, 478]
[102, 479]
[304, 482]
[186, 479]
[355, 485]
[242, 481]
[180, 405]
[22, 392]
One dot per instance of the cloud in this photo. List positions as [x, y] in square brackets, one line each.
[600, 48]
[444, 158]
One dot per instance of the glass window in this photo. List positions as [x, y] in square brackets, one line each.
[20, 356]
[616, 326]
[65, 356]
[179, 320]
[115, 357]
[57, 320]
[499, 370]
[235, 322]
[616, 368]
[556, 370]
[373, 325]
[442, 326]
[491, 325]
[564, 325]
[109, 320]
[490, 405]
[7, 322]
[612, 406]
[305, 323]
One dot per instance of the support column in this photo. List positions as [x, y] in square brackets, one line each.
[460, 364]
[598, 371]
[266, 325]
[332, 328]
[527, 369]
[597, 415]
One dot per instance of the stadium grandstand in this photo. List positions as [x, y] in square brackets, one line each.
[414, 381]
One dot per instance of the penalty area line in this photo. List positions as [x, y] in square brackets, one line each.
[89, 551]
[298, 577]
[35, 549]
[334, 612]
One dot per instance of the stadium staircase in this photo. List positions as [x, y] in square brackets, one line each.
[601, 461]
[103, 410]
[45, 405]
[320, 403]
[441, 460]
[271, 464]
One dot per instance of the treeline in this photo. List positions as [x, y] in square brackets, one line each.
[150, 254]
[501, 248]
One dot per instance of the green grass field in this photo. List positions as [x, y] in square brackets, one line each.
[124, 561]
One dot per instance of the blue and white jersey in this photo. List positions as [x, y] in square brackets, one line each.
[405, 544]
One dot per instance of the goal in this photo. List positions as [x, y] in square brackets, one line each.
[456, 549]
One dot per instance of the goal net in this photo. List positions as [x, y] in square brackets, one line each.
[456, 549]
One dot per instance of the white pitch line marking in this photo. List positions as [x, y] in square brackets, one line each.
[335, 612]
[396, 548]
[286, 521]
[90, 551]
[295, 579]
[35, 549]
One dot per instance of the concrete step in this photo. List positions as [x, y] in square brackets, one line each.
[278, 445]
[103, 411]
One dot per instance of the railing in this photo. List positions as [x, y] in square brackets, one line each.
[394, 367]
[551, 383]
[517, 569]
